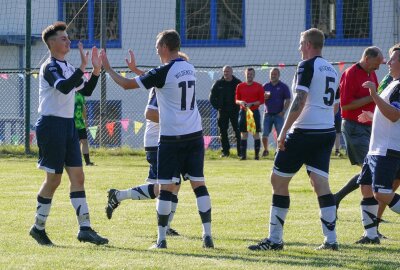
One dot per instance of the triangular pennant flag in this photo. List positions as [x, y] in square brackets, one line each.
[281, 65]
[93, 131]
[125, 124]
[86, 74]
[138, 126]
[34, 75]
[264, 66]
[207, 141]
[21, 75]
[123, 74]
[110, 128]
[341, 66]
[251, 124]
[4, 76]
[211, 75]
[15, 139]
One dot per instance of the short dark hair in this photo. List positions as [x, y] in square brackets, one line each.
[51, 30]
[250, 68]
[171, 39]
[394, 48]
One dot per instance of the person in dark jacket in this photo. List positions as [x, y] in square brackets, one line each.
[222, 98]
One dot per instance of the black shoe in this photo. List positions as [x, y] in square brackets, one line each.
[366, 240]
[162, 244]
[91, 236]
[172, 232]
[242, 158]
[265, 153]
[112, 203]
[326, 245]
[256, 157]
[381, 236]
[40, 236]
[266, 244]
[90, 164]
[225, 154]
[208, 242]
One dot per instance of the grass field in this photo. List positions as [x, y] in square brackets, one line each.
[241, 197]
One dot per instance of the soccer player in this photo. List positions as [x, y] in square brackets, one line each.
[181, 144]
[307, 137]
[57, 136]
[382, 163]
[150, 190]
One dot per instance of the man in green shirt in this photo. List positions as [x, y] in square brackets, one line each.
[80, 124]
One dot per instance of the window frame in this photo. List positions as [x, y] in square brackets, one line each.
[340, 40]
[92, 41]
[213, 41]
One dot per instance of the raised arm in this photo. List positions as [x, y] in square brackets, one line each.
[120, 80]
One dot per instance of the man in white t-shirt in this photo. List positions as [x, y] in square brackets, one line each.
[181, 143]
[307, 137]
[382, 163]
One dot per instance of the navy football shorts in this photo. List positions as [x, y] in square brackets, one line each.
[379, 171]
[184, 157]
[58, 144]
[310, 147]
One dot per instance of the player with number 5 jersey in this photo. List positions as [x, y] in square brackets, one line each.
[181, 144]
[307, 137]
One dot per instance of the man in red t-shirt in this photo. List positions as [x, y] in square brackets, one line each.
[354, 99]
[249, 94]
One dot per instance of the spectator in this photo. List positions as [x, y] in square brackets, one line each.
[80, 118]
[277, 101]
[249, 94]
[354, 99]
[222, 98]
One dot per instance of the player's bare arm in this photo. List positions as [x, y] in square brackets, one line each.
[84, 57]
[131, 63]
[295, 110]
[389, 111]
[96, 61]
[122, 81]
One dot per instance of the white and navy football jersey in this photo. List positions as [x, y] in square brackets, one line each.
[52, 101]
[320, 80]
[175, 85]
[385, 134]
[152, 130]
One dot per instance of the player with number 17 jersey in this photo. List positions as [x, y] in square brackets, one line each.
[320, 80]
[175, 87]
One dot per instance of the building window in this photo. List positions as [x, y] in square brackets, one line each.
[211, 22]
[83, 18]
[344, 22]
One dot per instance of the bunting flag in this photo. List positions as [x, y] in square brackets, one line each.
[125, 124]
[123, 74]
[35, 75]
[281, 65]
[15, 139]
[137, 126]
[86, 74]
[341, 66]
[251, 124]
[93, 131]
[4, 76]
[207, 141]
[211, 75]
[264, 66]
[110, 128]
[21, 75]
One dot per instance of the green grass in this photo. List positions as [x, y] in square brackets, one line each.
[241, 198]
